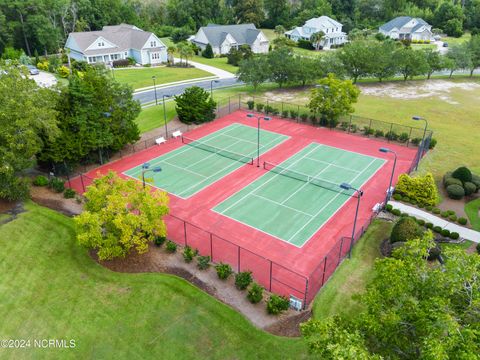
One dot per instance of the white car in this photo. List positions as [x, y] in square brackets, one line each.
[32, 70]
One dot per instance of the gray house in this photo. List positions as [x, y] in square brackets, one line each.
[407, 28]
[115, 43]
[222, 38]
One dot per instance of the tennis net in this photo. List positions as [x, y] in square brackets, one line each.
[277, 169]
[222, 152]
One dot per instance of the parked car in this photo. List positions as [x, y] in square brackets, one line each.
[32, 70]
[445, 44]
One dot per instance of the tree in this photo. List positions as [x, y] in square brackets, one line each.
[180, 34]
[121, 216]
[357, 59]
[474, 50]
[383, 63]
[195, 106]
[171, 54]
[277, 12]
[306, 70]
[414, 309]
[333, 98]
[279, 30]
[27, 115]
[454, 27]
[316, 39]
[449, 17]
[254, 71]
[434, 60]
[234, 56]
[249, 11]
[95, 114]
[460, 58]
[208, 52]
[281, 70]
[185, 51]
[410, 62]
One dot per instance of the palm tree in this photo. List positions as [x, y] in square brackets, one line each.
[171, 51]
[316, 39]
[279, 30]
[181, 48]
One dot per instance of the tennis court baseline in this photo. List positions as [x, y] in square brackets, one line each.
[201, 162]
[294, 199]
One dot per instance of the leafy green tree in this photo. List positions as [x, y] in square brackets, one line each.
[410, 62]
[27, 115]
[278, 12]
[306, 70]
[460, 58]
[234, 56]
[434, 60]
[195, 106]
[95, 114]
[317, 39]
[279, 30]
[333, 98]
[474, 50]
[449, 17]
[249, 11]
[281, 70]
[121, 216]
[254, 71]
[383, 62]
[208, 52]
[357, 59]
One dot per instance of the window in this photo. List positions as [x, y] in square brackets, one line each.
[153, 44]
[114, 57]
[155, 56]
[100, 44]
[92, 59]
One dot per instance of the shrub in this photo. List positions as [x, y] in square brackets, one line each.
[403, 137]
[250, 104]
[476, 181]
[304, 117]
[389, 207]
[405, 229]
[429, 208]
[189, 253]
[63, 71]
[436, 210]
[121, 63]
[69, 193]
[369, 131]
[131, 61]
[434, 253]
[223, 271]
[433, 143]
[391, 135]
[43, 65]
[305, 44]
[171, 246]
[478, 248]
[429, 225]
[159, 240]
[416, 141]
[452, 218]
[40, 180]
[293, 114]
[447, 175]
[452, 181]
[455, 192]
[255, 293]
[379, 133]
[285, 113]
[57, 185]
[397, 197]
[462, 221]
[454, 235]
[444, 214]
[353, 128]
[260, 107]
[406, 199]
[421, 222]
[313, 119]
[276, 304]
[208, 52]
[437, 229]
[243, 279]
[421, 206]
[463, 174]
[445, 232]
[421, 189]
[203, 262]
[451, 212]
[396, 212]
[469, 188]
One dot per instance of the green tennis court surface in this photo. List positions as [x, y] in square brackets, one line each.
[197, 164]
[293, 200]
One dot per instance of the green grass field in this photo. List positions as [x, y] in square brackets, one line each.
[152, 117]
[142, 77]
[457, 41]
[471, 209]
[51, 289]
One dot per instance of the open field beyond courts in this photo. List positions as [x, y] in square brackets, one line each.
[51, 288]
[142, 77]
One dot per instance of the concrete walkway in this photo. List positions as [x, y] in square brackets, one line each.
[437, 221]
[222, 74]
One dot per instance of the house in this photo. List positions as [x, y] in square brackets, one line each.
[222, 38]
[115, 43]
[407, 28]
[332, 29]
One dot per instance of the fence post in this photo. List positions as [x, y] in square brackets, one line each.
[340, 254]
[271, 274]
[211, 247]
[305, 296]
[238, 258]
[185, 231]
[324, 269]
[350, 124]
[83, 184]
[409, 137]
[369, 128]
[390, 132]
[298, 113]
[239, 102]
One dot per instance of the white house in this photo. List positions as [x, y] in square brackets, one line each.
[115, 43]
[331, 28]
[222, 38]
[407, 28]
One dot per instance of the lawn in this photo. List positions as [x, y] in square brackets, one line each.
[471, 209]
[152, 117]
[457, 41]
[142, 77]
[351, 277]
[51, 289]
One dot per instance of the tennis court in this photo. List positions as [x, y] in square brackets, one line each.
[201, 162]
[297, 197]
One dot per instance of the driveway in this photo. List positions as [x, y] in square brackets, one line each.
[44, 79]
[222, 74]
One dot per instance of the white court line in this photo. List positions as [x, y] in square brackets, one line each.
[225, 168]
[154, 186]
[266, 182]
[332, 164]
[280, 204]
[213, 154]
[324, 207]
[233, 137]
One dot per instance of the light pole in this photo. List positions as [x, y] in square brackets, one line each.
[211, 87]
[165, 115]
[346, 186]
[419, 118]
[266, 118]
[389, 192]
[155, 89]
[146, 168]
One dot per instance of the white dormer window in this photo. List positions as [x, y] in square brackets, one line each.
[100, 44]
[153, 44]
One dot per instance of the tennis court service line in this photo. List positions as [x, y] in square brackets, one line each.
[280, 204]
[338, 166]
[266, 182]
[325, 206]
[233, 137]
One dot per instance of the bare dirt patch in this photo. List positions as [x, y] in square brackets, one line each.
[414, 90]
[158, 260]
[46, 197]
[6, 206]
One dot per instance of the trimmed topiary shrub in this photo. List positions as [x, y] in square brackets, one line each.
[405, 229]
[462, 221]
[476, 181]
[389, 207]
[448, 175]
[429, 208]
[304, 117]
[469, 188]
[260, 107]
[223, 271]
[397, 197]
[255, 293]
[396, 212]
[437, 229]
[250, 104]
[403, 137]
[243, 279]
[293, 114]
[454, 235]
[444, 214]
[379, 133]
[276, 304]
[452, 181]
[203, 262]
[285, 114]
[436, 210]
[40, 180]
[451, 212]
[478, 248]
[452, 218]
[189, 253]
[455, 192]
[445, 232]
[429, 225]
[463, 174]
[421, 222]
[421, 189]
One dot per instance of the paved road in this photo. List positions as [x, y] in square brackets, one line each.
[149, 95]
